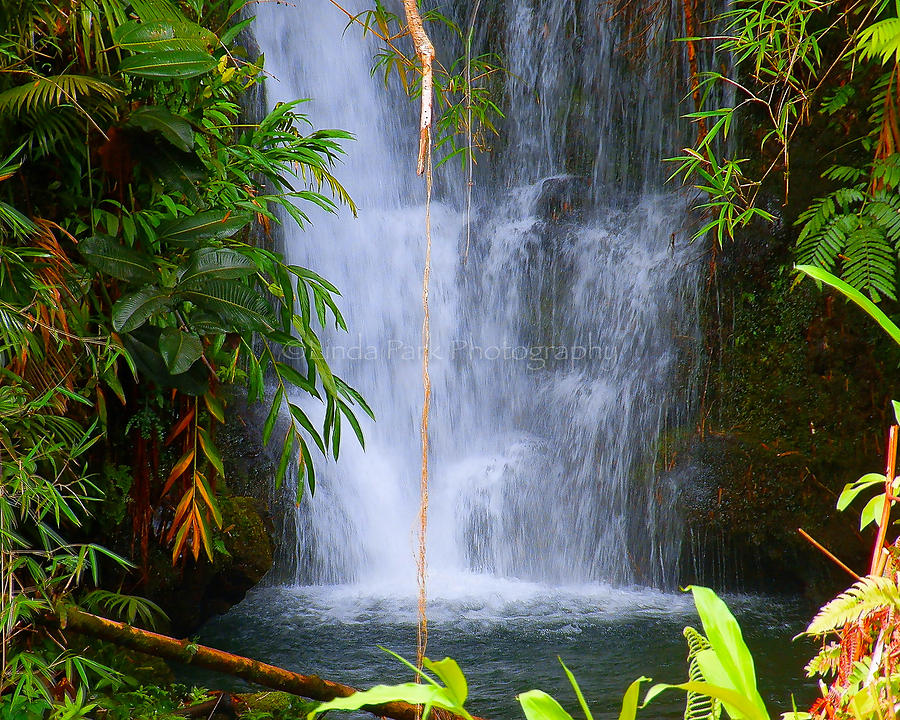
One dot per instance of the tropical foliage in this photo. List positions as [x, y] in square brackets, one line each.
[137, 284]
[797, 63]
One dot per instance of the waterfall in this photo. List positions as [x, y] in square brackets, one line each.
[565, 342]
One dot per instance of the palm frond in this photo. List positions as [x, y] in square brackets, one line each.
[42, 93]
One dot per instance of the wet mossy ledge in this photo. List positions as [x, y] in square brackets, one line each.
[192, 591]
[795, 404]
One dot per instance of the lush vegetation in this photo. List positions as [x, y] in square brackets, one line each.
[136, 288]
[139, 289]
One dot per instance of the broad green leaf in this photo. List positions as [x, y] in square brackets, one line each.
[175, 129]
[143, 348]
[216, 263]
[724, 634]
[163, 35]
[412, 693]
[177, 170]
[896, 407]
[630, 699]
[116, 260]
[856, 296]
[237, 304]
[851, 490]
[449, 673]
[169, 64]
[872, 511]
[179, 349]
[133, 310]
[206, 225]
[744, 708]
[538, 705]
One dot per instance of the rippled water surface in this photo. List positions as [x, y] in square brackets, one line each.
[506, 636]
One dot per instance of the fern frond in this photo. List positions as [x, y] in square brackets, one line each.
[867, 595]
[42, 93]
[880, 40]
[871, 263]
[825, 661]
[697, 706]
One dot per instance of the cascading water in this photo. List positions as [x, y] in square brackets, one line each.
[565, 346]
[564, 340]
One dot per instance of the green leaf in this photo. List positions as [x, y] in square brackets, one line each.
[211, 452]
[738, 705]
[851, 490]
[896, 407]
[538, 705]
[160, 35]
[216, 263]
[856, 296]
[354, 423]
[206, 225]
[413, 693]
[269, 425]
[179, 349]
[307, 425]
[237, 304]
[449, 673]
[169, 64]
[116, 260]
[295, 378]
[630, 699]
[725, 637]
[133, 310]
[286, 452]
[215, 406]
[872, 511]
[175, 129]
[142, 346]
[574, 683]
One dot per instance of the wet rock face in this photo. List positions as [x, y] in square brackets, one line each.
[192, 595]
[563, 197]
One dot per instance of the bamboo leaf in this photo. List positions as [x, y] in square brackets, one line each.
[179, 469]
[211, 451]
[215, 406]
[856, 296]
[269, 424]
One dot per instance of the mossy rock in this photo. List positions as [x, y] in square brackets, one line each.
[193, 593]
[279, 704]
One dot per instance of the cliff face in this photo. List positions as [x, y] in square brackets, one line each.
[795, 404]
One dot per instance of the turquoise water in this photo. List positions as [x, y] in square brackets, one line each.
[506, 636]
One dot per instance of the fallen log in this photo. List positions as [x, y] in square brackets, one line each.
[184, 651]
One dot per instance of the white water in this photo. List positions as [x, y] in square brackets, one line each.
[561, 350]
